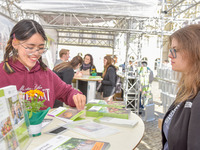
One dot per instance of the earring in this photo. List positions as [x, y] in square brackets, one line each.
[15, 52]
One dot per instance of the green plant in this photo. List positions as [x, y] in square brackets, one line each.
[93, 71]
[34, 105]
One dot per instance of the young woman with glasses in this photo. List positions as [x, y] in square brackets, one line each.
[180, 129]
[23, 66]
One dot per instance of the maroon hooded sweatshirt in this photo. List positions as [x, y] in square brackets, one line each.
[45, 81]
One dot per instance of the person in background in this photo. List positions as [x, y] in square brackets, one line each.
[166, 64]
[65, 71]
[123, 67]
[109, 79]
[180, 128]
[64, 56]
[115, 62]
[23, 67]
[87, 66]
[166, 61]
[146, 78]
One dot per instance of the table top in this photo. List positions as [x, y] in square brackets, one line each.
[88, 78]
[127, 139]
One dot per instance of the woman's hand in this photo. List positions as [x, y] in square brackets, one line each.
[78, 74]
[79, 100]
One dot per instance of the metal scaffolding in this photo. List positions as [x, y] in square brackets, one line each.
[101, 30]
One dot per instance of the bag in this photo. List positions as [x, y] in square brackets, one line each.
[118, 84]
[100, 88]
[151, 77]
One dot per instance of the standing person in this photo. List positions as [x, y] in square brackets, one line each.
[64, 56]
[109, 79]
[23, 67]
[146, 78]
[180, 129]
[65, 71]
[88, 66]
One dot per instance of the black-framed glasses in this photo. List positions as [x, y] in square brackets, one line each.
[173, 52]
[31, 51]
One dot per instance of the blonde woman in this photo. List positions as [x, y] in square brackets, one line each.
[180, 129]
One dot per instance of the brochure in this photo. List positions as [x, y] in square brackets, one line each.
[92, 129]
[97, 111]
[94, 77]
[61, 142]
[14, 131]
[98, 102]
[45, 122]
[116, 121]
[66, 114]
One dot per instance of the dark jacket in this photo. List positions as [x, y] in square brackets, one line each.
[66, 74]
[184, 130]
[109, 81]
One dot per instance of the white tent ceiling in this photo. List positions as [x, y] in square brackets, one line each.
[141, 8]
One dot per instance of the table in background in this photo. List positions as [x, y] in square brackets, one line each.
[127, 139]
[87, 86]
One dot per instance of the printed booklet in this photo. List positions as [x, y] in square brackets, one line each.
[97, 111]
[116, 121]
[13, 125]
[98, 102]
[92, 129]
[66, 114]
[61, 142]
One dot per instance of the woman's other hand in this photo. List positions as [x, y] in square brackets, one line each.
[79, 101]
[78, 74]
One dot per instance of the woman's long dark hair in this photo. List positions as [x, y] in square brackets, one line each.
[22, 31]
[73, 63]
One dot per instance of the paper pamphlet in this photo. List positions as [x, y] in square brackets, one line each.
[117, 121]
[115, 112]
[66, 114]
[45, 122]
[13, 126]
[92, 129]
[61, 142]
[98, 102]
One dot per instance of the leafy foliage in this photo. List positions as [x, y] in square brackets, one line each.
[34, 105]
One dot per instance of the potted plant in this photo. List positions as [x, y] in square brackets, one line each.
[93, 72]
[35, 115]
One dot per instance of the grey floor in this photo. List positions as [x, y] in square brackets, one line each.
[152, 135]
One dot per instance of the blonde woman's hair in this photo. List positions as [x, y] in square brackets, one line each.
[188, 39]
[109, 62]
